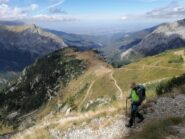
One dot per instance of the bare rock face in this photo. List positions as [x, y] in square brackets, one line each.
[166, 36]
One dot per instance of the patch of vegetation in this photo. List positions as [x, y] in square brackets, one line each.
[157, 129]
[149, 69]
[176, 59]
[41, 81]
[168, 86]
[104, 86]
[5, 128]
[72, 101]
[150, 92]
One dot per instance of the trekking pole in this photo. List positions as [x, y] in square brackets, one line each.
[126, 107]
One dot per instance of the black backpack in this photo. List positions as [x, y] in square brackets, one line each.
[141, 91]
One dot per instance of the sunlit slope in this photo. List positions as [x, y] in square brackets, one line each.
[100, 90]
[88, 89]
[103, 85]
[164, 65]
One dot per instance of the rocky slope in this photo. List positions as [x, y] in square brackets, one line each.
[114, 127]
[83, 42]
[164, 37]
[21, 45]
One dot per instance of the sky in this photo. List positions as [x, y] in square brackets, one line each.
[93, 16]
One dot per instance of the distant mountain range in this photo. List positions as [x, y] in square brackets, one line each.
[161, 38]
[21, 45]
[12, 23]
[83, 42]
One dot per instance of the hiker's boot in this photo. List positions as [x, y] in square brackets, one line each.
[140, 120]
[128, 125]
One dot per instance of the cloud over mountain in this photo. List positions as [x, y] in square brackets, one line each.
[173, 10]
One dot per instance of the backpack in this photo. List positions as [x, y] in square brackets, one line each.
[141, 91]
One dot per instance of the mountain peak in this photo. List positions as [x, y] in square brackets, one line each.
[181, 22]
[33, 26]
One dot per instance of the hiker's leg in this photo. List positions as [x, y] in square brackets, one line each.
[133, 114]
[140, 116]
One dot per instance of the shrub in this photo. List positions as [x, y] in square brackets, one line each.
[176, 59]
[40, 81]
[156, 129]
[167, 86]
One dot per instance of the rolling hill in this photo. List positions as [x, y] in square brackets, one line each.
[93, 89]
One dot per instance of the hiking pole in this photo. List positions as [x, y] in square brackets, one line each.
[126, 107]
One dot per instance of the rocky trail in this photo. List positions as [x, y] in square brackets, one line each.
[114, 127]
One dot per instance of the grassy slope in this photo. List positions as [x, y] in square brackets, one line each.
[96, 82]
[150, 69]
[145, 71]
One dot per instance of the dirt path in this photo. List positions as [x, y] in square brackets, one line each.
[163, 67]
[156, 81]
[116, 84]
[88, 93]
[153, 66]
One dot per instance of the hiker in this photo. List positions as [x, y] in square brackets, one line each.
[137, 96]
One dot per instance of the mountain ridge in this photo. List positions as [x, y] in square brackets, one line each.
[165, 37]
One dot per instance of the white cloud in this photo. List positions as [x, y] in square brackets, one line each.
[54, 18]
[7, 12]
[23, 13]
[4, 1]
[124, 17]
[173, 10]
[34, 6]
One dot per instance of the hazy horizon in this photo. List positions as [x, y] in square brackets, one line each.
[93, 17]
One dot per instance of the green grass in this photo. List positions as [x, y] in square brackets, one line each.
[103, 87]
[157, 129]
[168, 86]
[151, 92]
[176, 59]
[149, 69]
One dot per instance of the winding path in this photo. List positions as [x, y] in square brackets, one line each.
[116, 84]
[153, 66]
